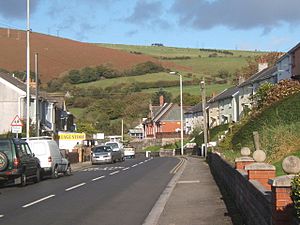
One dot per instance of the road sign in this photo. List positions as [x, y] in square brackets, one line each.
[16, 129]
[16, 122]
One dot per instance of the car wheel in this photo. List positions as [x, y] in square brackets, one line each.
[55, 173]
[68, 171]
[37, 175]
[23, 180]
[3, 161]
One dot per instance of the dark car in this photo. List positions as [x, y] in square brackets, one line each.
[17, 163]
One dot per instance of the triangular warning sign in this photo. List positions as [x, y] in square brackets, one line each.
[17, 121]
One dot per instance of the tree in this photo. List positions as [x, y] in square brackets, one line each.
[188, 99]
[155, 97]
[74, 77]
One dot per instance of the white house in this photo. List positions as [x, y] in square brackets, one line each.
[52, 113]
[193, 118]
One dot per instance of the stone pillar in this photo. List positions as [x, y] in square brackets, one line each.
[282, 204]
[261, 172]
[245, 160]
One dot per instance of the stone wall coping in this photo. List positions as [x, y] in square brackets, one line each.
[260, 166]
[244, 159]
[282, 181]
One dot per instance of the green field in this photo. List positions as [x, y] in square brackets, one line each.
[200, 63]
[193, 89]
[132, 79]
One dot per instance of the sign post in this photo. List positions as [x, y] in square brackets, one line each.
[16, 126]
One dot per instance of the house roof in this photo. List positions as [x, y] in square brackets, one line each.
[294, 48]
[195, 108]
[262, 75]
[59, 99]
[225, 94]
[13, 80]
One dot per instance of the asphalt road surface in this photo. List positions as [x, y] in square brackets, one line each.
[110, 194]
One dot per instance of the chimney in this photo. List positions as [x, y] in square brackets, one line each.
[262, 64]
[161, 100]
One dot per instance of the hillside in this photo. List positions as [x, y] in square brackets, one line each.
[59, 55]
[278, 127]
[202, 62]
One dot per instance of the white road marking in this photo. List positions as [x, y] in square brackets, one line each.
[141, 163]
[127, 168]
[188, 181]
[76, 186]
[1, 216]
[134, 165]
[98, 178]
[37, 201]
[113, 173]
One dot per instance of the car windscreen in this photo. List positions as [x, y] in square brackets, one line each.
[6, 147]
[101, 149]
[113, 145]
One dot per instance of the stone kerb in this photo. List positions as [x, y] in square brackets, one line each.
[245, 160]
[261, 172]
[282, 204]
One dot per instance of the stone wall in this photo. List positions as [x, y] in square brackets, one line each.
[253, 200]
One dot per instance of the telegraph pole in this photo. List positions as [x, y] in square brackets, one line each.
[203, 94]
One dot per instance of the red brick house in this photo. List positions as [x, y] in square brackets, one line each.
[163, 121]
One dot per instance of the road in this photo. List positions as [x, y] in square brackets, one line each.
[112, 194]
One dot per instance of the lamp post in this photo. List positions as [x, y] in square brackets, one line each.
[181, 110]
[203, 94]
[28, 73]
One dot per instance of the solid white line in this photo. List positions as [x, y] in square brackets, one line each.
[76, 186]
[114, 172]
[127, 168]
[37, 201]
[98, 178]
[1, 216]
[134, 165]
[188, 181]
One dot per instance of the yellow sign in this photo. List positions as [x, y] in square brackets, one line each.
[72, 136]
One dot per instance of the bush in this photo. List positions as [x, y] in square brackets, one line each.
[295, 194]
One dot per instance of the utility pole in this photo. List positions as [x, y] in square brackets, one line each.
[203, 94]
[28, 73]
[37, 108]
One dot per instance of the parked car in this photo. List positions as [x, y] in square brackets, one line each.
[117, 149]
[129, 152]
[17, 163]
[52, 161]
[105, 154]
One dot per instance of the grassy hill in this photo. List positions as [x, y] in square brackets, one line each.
[202, 62]
[278, 127]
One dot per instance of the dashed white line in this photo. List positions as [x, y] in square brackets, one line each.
[76, 186]
[127, 168]
[98, 178]
[141, 163]
[1, 216]
[113, 173]
[37, 201]
[134, 165]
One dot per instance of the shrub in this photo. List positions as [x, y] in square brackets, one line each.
[295, 194]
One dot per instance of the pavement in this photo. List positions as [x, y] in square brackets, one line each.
[81, 165]
[195, 198]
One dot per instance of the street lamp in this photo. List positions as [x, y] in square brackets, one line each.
[202, 87]
[181, 110]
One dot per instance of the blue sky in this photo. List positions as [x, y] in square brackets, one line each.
[271, 25]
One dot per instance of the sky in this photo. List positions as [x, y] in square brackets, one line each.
[266, 25]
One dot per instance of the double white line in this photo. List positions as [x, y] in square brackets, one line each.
[177, 167]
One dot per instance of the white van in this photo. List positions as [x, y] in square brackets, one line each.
[51, 160]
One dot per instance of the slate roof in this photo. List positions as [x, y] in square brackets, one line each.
[16, 82]
[195, 108]
[262, 75]
[294, 48]
[59, 99]
[225, 94]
